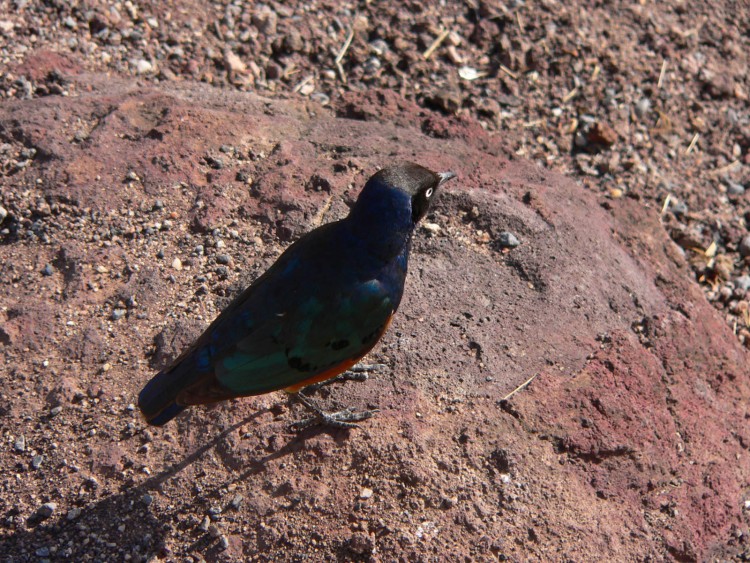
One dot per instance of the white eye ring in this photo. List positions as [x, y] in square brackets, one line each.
[428, 193]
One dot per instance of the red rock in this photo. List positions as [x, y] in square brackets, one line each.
[624, 446]
[602, 134]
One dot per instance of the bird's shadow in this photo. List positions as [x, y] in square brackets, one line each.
[125, 522]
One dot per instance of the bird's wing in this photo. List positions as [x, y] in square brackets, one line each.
[311, 337]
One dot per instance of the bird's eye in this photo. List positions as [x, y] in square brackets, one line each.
[428, 193]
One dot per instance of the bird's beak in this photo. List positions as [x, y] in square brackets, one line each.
[445, 176]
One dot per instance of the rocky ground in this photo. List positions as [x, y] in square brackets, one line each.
[144, 181]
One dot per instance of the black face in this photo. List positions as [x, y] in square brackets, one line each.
[417, 181]
[420, 201]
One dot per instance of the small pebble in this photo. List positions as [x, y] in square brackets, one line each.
[73, 513]
[223, 259]
[117, 314]
[237, 501]
[46, 510]
[147, 499]
[143, 66]
[215, 162]
[3, 213]
[725, 294]
[36, 461]
[20, 445]
[743, 283]
[293, 41]
[366, 493]
[744, 247]
[177, 264]
[679, 208]
[205, 524]
[483, 237]
[321, 98]
[132, 176]
[642, 107]
[213, 531]
[48, 270]
[372, 65]
[449, 502]
[224, 542]
[43, 552]
[158, 204]
[733, 188]
[432, 228]
[507, 240]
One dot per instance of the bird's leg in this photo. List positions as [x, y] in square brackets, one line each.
[341, 419]
[346, 418]
[360, 372]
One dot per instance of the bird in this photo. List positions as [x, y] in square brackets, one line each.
[320, 308]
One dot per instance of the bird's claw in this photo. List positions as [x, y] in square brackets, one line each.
[366, 368]
[346, 418]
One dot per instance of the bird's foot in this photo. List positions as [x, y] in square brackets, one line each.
[346, 418]
[360, 372]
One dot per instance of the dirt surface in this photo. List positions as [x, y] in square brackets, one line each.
[133, 207]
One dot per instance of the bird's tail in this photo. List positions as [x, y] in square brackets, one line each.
[158, 400]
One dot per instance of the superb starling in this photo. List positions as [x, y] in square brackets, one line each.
[318, 309]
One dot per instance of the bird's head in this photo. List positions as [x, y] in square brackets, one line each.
[391, 204]
[417, 182]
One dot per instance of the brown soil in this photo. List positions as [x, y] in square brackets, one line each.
[156, 158]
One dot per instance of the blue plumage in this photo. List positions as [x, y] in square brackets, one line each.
[321, 307]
